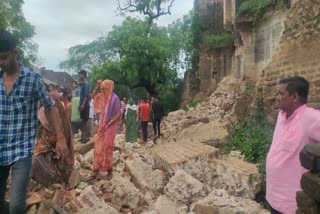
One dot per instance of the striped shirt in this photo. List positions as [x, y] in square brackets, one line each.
[18, 115]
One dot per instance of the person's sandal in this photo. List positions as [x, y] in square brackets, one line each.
[98, 177]
[85, 141]
[109, 177]
[90, 178]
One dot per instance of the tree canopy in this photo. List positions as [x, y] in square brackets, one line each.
[140, 61]
[138, 54]
[12, 19]
[151, 8]
[132, 56]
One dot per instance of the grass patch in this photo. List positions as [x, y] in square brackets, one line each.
[223, 40]
[193, 104]
[255, 9]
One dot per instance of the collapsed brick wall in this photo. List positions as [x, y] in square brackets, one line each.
[308, 199]
[297, 54]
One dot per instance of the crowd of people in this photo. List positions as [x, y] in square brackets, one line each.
[39, 139]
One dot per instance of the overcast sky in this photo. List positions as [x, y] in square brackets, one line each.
[61, 24]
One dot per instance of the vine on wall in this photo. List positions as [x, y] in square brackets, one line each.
[196, 28]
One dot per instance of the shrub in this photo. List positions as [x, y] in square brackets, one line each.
[256, 8]
[252, 138]
[253, 8]
[224, 40]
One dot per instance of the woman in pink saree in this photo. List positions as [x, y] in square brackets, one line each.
[109, 121]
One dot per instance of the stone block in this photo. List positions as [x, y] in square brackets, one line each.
[306, 204]
[237, 177]
[48, 193]
[88, 157]
[43, 209]
[74, 179]
[310, 157]
[310, 184]
[83, 148]
[125, 193]
[89, 202]
[164, 205]
[205, 209]
[192, 157]
[32, 209]
[144, 176]
[183, 188]
[221, 201]
[34, 199]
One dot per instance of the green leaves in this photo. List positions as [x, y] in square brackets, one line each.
[138, 54]
[255, 9]
[132, 54]
[223, 40]
[252, 138]
[12, 19]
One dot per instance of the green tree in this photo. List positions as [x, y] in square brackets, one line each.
[85, 56]
[153, 9]
[181, 35]
[131, 56]
[12, 19]
[148, 62]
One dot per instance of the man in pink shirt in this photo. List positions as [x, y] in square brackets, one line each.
[296, 126]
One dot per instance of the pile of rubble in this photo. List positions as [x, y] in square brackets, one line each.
[182, 173]
[217, 110]
[141, 184]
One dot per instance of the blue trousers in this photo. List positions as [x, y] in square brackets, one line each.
[20, 173]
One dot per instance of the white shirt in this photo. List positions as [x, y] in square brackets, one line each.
[91, 112]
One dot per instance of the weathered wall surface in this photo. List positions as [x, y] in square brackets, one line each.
[283, 43]
[297, 54]
[187, 90]
[214, 64]
[258, 45]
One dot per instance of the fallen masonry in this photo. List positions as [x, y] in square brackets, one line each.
[180, 173]
[189, 178]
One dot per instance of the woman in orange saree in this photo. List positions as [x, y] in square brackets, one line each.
[109, 121]
[46, 167]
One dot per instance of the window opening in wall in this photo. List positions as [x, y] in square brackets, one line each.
[214, 72]
[259, 49]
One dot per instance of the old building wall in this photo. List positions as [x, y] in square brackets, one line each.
[214, 64]
[283, 43]
[186, 90]
[259, 43]
[267, 38]
[297, 54]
